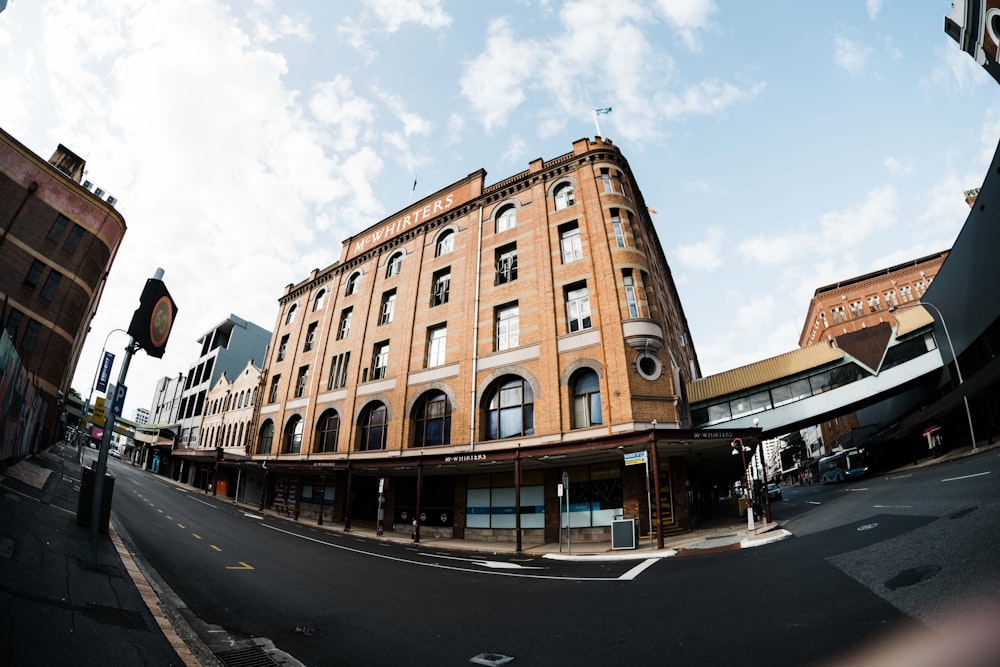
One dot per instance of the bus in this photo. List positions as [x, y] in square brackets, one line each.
[843, 465]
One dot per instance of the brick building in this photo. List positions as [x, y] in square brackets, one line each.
[58, 238]
[858, 303]
[468, 352]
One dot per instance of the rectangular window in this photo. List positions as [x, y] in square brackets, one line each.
[272, 395]
[51, 284]
[380, 360]
[569, 241]
[283, 347]
[14, 323]
[606, 182]
[58, 227]
[440, 287]
[616, 225]
[507, 323]
[388, 307]
[506, 264]
[890, 299]
[437, 338]
[345, 323]
[577, 307]
[630, 298]
[34, 274]
[31, 335]
[874, 304]
[300, 381]
[310, 337]
[73, 240]
[338, 371]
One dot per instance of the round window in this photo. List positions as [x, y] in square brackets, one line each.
[648, 365]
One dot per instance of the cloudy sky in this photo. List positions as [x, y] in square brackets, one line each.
[785, 145]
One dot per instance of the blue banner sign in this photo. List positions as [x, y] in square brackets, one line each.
[106, 364]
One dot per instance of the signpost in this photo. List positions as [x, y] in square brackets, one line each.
[640, 458]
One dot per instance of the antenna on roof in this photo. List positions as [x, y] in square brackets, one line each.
[413, 189]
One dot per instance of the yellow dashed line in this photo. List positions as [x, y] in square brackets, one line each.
[180, 525]
[196, 536]
[215, 547]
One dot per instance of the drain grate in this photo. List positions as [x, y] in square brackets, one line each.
[491, 659]
[249, 656]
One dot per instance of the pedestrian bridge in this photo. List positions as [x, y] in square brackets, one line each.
[813, 384]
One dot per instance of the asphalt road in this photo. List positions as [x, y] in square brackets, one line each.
[867, 559]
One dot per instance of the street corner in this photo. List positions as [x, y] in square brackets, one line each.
[760, 539]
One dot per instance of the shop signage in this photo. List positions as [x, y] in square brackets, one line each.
[465, 458]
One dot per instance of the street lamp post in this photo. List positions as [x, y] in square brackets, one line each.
[93, 385]
[739, 447]
[954, 355]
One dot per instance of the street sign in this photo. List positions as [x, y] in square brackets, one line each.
[98, 416]
[635, 458]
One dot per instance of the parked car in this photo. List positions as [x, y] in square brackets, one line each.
[773, 491]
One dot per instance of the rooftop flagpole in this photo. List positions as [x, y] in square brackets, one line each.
[598, 112]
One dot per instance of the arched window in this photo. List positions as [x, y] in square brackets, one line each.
[585, 389]
[265, 438]
[290, 315]
[445, 243]
[510, 410]
[564, 195]
[507, 218]
[432, 420]
[394, 265]
[319, 299]
[373, 423]
[292, 437]
[327, 431]
[239, 438]
[352, 283]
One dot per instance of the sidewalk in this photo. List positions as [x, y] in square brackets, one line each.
[60, 607]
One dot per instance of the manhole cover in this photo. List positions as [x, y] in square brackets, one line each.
[912, 576]
[867, 526]
[490, 659]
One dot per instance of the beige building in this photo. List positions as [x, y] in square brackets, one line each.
[471, 352]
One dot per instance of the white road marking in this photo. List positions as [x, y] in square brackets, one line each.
[638, 569]
[954, 479]
[904, 507]
[498, 565]
[438, 566]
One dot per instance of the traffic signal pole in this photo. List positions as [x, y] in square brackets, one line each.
[151, 325]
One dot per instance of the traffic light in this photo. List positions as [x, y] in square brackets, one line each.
[152, 321]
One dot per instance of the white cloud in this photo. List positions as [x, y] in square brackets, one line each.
[893, 165]
[412, 123]
[603, 57]
[494, 81]
[336, 105]
[687, 17]
[704, 255]
[834, 232]
[873, 7]
[850, 55]
[956, 73]
[357, 36]
[395, 13]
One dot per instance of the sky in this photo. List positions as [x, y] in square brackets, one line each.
[784, 145]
